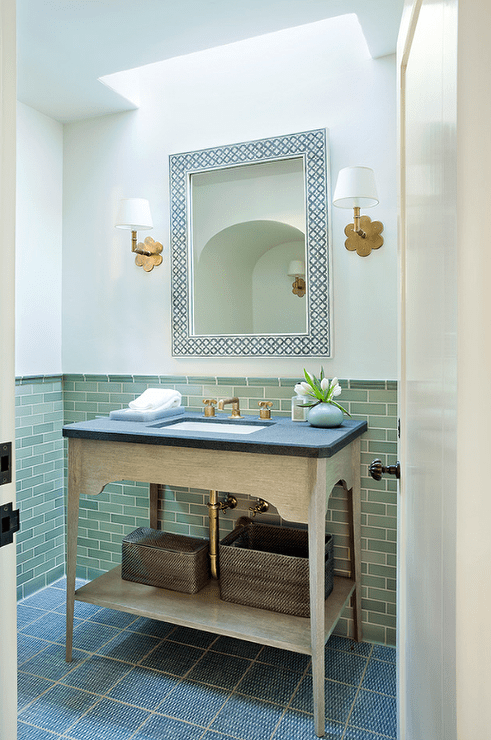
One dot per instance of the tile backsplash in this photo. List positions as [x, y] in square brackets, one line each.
[123, 506]
[39, 488]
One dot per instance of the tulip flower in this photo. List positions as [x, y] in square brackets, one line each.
[319, 390]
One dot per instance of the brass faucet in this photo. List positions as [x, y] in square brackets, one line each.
[235, 407]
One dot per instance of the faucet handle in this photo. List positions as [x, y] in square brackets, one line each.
[209, 406]
[260, 508]
[265, 409]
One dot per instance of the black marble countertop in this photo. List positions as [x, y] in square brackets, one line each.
[279, 436]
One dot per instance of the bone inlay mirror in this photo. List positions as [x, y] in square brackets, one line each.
[243, 217]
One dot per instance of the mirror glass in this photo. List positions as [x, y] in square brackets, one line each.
[248, 224]
[250, 262]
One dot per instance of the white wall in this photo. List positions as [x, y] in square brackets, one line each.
[116, 317]
[38, 243]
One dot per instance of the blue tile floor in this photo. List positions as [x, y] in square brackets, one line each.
[134, 678]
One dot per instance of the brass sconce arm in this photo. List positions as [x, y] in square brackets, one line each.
[356, 227]
[137, 247]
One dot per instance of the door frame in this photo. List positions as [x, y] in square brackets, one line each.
[8, 608]
[406, 34]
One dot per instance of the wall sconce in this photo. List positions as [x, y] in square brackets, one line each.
[296, 269]
[134, 214]
[356, 189]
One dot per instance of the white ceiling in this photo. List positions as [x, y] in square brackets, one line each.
[64, 46]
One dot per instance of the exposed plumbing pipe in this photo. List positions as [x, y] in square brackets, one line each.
[214, 508]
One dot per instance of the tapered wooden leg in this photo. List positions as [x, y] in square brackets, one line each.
[72, 533]
[317, 528]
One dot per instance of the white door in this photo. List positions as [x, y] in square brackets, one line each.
[427, 62]
[8, 656]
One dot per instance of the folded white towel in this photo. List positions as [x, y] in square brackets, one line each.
[156, 398]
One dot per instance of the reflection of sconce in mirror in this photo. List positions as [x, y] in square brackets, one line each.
[296, 269]
[134, 214]
[356, 189]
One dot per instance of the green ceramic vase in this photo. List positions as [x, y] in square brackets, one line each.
[325, 415]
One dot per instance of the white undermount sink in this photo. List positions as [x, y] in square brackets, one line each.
[211, 427]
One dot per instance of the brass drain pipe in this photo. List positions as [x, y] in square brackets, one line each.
[214, 508]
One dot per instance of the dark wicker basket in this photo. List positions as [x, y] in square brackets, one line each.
[165, 560]
[266, 566]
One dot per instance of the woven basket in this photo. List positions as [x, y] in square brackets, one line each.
[165, 560]
[267, 567]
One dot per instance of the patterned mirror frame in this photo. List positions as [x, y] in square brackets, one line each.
[312, 146]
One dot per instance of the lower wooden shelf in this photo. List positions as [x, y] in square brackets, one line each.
[205, 610]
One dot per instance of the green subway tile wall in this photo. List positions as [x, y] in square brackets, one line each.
[123, 506]
[39, 489]
[45, 403]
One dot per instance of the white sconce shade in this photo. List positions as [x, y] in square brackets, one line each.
[295, 268]
[134, 214]
[355, 188]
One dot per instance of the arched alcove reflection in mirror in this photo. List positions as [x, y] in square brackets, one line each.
[240, 214]
[241, 283]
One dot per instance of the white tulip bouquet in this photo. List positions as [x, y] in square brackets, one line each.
[319, 390]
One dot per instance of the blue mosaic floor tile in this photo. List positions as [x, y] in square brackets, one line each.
[29, 688]
[58, 708]
[339, 699]
[188, 636]
[50, 626]
[50, 663]
[47, 598]
[97, 674]
[353, 734]
[27, 732]
[247, 719]
[299, 726]
[27, 614]
[91, 636]
[151, 627]
[143, 687]
[82, 610]
[216, 669]
[375, 713]
[269, 683]
[165, 728]
[61, 583]
[151, 680]
[172, 657]
[336, 642]
[380, 677]
[194, 702]
[284, 659]
[28, 646]
[108, 720]
[344, 667]
[231, 646]
[384, 652]
[129, 646]
[113, 618]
